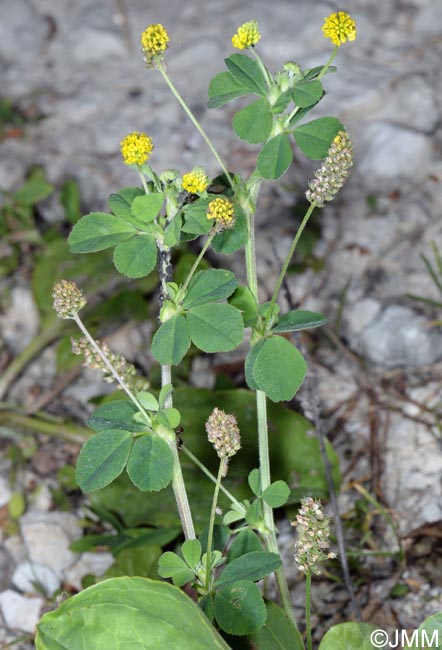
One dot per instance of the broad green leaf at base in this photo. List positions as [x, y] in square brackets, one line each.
[123, 613]
[348, 636]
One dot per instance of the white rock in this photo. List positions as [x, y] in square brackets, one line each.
[41, 500]
[5, 492]
[28, 577]
[20, 613]
[15, 547]
[89, 563]
[361, 314]
[48, 535]
[92, 45]
[392, 152]
[20, 322]
[400, 338]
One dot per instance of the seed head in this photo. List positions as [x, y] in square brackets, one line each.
[154, 42]
[339, 28]
[136, 148]
[68, 299]
[93, 360]
[195, 181]
[334, 171]
[222, 211]
[223, 432]
[313, 536]
[246, 36]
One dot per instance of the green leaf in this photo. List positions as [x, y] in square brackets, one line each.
[253, 566]
[282, 102]
[278, 632]
[348, 636]
[97, 231]
[245, 542]
[142, 561]
[223, 88]
[136, 257]
[254, 482]
[173, 231]
[209, 286]
[275, 157]
[150, 464]
[250, 362]
[173, 417]
[172, 566]
[312, 73]
[215, 327]
[307, 93]
[254, 122]
[195, 217]
[191, 550]
[428, 634]
[298, 319]
[102, 458]
[115, 415]
[231, 240]
[171, 341]
[315, 138]
[279, 369]
[145, 208]
[128, 613]
[247, 72]
[70, 200]
[120, 203]
[244, 300]
[148, 400]
[276, 494]
[239, 608]
[153, 537]
[35, 189]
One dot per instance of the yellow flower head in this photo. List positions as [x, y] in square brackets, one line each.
[136, 148]
[339, 28]
[222, 211]
[246, 36]
[154, 42]
[195, 181]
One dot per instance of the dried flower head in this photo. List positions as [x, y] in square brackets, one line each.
[334, 171]
[68, 299]
[136, 148]
[222, 211]
[223, 432]
[154, 42]
[339, 28]
[313, 536]
[195, 181]
[93, 360]
[246, 36]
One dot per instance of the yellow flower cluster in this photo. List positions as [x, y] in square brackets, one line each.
[339, 28]
[154, 42]
[195, 181]
[246, 36]
[136, 148]
[68, 299]
[222, 211]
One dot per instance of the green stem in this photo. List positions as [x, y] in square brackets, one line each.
[262, 67]
[263, 444]
[197, 261]
[209, 475]
[10, 420]
[143, 180]
[308, 628]
[329, 62]
[212, 522]
[194, 121]
[290, 255]
[179, 488]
